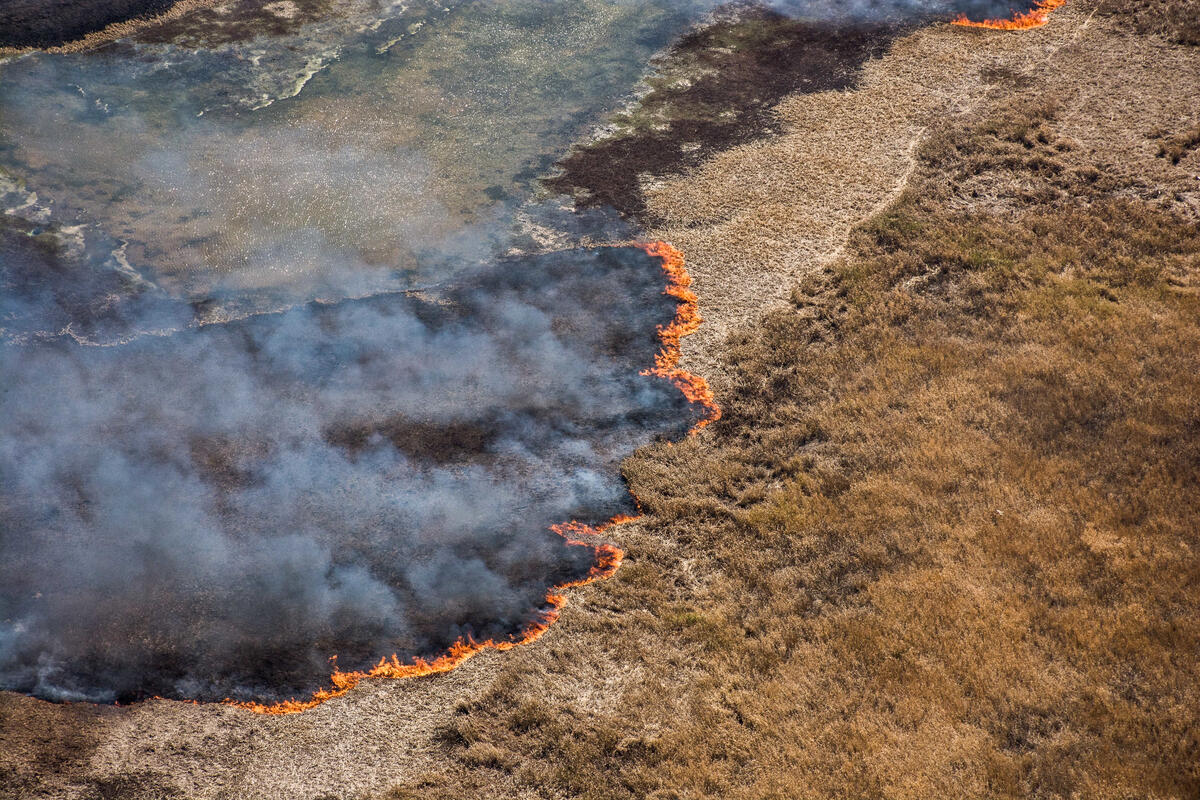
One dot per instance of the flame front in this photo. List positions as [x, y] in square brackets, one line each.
[1038, 16]
[607, 557]
[687, 320]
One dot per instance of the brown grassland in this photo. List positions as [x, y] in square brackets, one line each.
[1177, 20]
[944, 541]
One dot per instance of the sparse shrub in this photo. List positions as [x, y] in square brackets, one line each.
[483, 754]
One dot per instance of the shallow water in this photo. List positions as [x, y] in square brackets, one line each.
[362, 152]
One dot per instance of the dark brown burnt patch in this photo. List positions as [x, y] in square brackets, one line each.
[425, 441]
[713, 90]
[47, 23]
[238, 21]
[76, 24]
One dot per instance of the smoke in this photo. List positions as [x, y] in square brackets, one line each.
[218, 511]
[210, 511]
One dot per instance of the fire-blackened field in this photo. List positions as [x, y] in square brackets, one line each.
[717, 87]
[52, 22]
[735, 71]
[216, 512]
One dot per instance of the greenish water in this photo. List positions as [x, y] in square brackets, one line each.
[353, 155]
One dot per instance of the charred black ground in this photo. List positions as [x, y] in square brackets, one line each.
[714, 90]
[216, 512]
[45, 23]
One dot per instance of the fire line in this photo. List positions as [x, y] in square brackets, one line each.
[1036, 17]
[607, 557]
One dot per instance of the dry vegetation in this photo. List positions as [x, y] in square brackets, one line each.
[1178, 20]
[944, 542]
[1177, 147]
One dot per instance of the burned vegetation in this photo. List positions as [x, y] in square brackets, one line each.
[364, 478]
[47, 23]
[714, 89]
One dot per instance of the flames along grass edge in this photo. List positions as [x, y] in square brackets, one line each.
[607, 557]
[1036, 17]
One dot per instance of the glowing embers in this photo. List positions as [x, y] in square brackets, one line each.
[1036, 17]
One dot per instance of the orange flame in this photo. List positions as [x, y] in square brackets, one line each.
[607, 560]
[1038, 16]
[687, 320]
[607, 556]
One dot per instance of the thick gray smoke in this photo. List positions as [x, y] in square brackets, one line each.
[218, 511]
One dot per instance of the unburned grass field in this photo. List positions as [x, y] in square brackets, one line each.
[944, 540]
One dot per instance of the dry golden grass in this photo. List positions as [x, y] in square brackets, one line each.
[1176, 147]
[944, 542]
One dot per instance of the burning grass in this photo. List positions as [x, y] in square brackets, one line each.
[1036, 17]
[607, 557]
[943, 541]
[687, 321]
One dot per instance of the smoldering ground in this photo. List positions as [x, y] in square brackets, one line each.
[216, 512]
